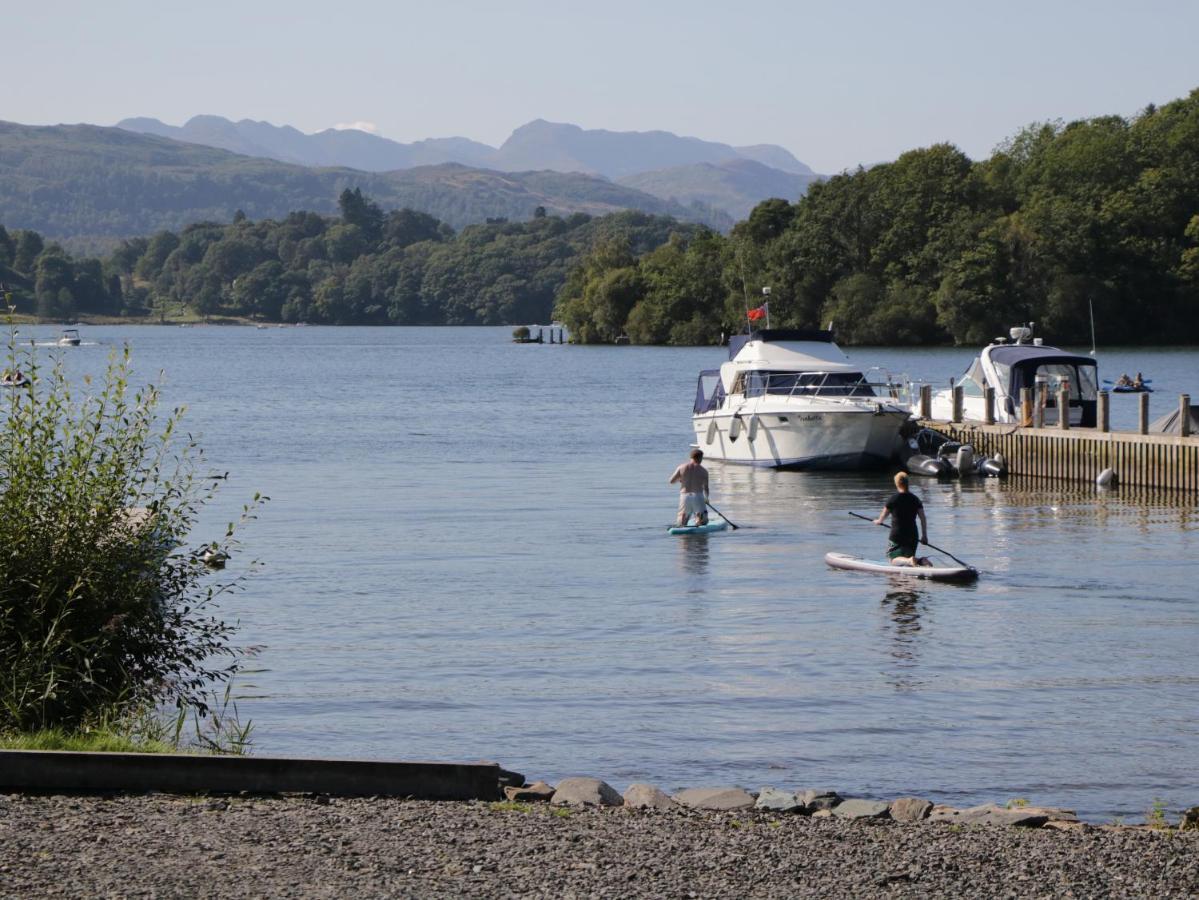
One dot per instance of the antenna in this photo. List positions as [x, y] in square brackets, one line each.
[1091, 308]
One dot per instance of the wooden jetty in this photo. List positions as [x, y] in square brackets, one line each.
[1162, 461]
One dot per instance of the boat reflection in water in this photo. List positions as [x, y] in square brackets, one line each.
[789, 398]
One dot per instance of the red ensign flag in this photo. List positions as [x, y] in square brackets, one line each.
[759, 313]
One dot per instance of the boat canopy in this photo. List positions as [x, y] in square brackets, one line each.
[709, 391]
[1171, 422]
[1022, 366]
[777, 335]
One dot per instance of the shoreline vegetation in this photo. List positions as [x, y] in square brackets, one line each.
[109, 624]
[1062, 220]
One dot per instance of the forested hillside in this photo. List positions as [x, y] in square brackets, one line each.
[934, 247]
[364, 267]
[91, 185]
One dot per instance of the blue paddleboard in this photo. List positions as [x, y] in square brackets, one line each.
[715, 525]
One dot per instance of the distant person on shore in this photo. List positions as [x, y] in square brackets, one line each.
[692, 479]
[904, 508]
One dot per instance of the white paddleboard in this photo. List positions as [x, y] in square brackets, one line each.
[937, 573]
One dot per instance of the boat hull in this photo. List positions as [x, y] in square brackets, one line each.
[788, 439]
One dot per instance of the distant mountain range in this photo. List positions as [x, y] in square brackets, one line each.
[673, 168]
[89, 183]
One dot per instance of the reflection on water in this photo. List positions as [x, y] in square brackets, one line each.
[903, 607]
[694, 554]
[465, 559]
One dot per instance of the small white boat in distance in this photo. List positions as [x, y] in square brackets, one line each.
[789, 398]
[1022, 361]
[69, 338]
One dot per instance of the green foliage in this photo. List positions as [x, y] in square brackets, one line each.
[1155, 816]
[103, 614]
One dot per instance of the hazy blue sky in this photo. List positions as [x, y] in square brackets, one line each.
[835, 83]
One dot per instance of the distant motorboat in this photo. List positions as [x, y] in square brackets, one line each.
[14, 379]
[69, 338]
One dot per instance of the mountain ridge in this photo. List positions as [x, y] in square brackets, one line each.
[91, 181]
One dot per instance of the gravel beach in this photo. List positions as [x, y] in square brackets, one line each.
[143, 846]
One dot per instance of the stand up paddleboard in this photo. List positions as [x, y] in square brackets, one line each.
[720, 525]
[936, 573]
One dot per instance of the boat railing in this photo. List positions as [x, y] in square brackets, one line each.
[817, 385]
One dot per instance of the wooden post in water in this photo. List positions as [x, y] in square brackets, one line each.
[988, 406]
[926, 401]
[957, 404]
[1042, 400]
[1184, 414]
[1103, 411]
[1026, 407]
[1143, 414]
[1063, 407]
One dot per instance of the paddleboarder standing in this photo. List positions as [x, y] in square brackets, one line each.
[904, 508]
[692, 479]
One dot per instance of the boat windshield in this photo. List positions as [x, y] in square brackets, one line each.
[808, 384]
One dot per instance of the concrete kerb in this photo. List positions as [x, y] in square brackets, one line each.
[57, 771]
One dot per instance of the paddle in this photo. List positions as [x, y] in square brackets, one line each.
[926, 543]
[722, 515]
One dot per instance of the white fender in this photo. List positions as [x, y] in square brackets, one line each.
[1106, 478]
[735, 428]
[753, 427]
[711, 436]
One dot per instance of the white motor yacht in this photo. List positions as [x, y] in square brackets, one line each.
[1022, 361]
[791, 399]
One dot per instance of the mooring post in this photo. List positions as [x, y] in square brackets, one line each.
[1143, 414]
[1103, 413]
[988, 406]
[957, 403]
[1184, 414]
[1042, 402]
[926, 401]
[1025, 407]
[1063, 407]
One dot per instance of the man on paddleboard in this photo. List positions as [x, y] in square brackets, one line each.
[904, 508]
[693, 489]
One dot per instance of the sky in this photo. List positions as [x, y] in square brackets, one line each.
[837, 84]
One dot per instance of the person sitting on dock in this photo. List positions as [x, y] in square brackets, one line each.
[904, 508]
[693, 489]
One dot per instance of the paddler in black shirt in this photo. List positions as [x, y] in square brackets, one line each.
[904, 508]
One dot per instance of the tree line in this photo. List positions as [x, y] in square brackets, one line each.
[362, 267]
[1098, 214]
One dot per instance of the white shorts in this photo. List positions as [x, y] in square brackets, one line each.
[693, 505]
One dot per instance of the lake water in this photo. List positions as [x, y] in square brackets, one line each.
[465, 558]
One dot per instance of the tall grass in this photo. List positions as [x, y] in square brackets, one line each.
[106, 612]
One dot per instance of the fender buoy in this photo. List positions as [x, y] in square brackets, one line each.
[711, 436]
[735, 428]
[753, 427]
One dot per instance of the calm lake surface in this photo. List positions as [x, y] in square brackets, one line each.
[465, 558]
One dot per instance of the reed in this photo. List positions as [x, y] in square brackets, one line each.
[107, 614]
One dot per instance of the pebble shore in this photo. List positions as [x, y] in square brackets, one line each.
[158, 846]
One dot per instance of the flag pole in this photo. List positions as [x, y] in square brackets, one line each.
[766, 304]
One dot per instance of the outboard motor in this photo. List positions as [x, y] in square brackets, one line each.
[933, 466]
[964, 459]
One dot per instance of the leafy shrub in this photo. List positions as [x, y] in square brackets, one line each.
[104, 612]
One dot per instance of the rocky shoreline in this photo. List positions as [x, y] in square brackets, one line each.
[159, 845]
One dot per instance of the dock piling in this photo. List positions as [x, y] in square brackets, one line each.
[1026, 407]
[1143, 414]
[988, 406]
[1063, 408]
[1103, 411]
[1184, 414]
[926, 401]
[957, 403]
